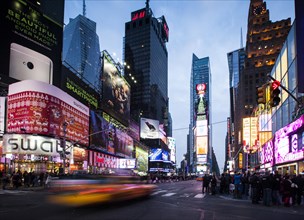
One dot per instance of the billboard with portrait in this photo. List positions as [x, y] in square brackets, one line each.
[31, 42]
[115, 92]
[35, 107]
[123, 144]
[100, 128]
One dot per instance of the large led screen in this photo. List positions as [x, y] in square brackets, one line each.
[142, 159]
[35, 107]
[149, 128]
[267, 153]
[31, 42]
[286, 142]
[127, 163]
[156, 154]
[115, 92]
[201, 145]
[172, 148]
[123, 144]
[101, 128]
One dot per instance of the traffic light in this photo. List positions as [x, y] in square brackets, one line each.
[274, 94]
[261, 94]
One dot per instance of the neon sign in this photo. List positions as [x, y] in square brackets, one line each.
[138, 14]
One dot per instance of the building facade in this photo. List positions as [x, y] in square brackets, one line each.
[200, 75]
[81, 51]
[146, 57]
[236, 63]
[263, 45]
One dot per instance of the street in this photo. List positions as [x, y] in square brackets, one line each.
[176, 200]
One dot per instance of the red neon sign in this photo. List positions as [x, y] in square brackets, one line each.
[138, 15]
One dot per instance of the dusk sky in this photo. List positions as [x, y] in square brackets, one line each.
[207, 28]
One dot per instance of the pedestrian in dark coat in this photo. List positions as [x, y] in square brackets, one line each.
[286, 190]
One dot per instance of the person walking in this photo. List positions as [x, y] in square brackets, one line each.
[276, 183]
[254, 182]
[266, 186]
[286, 190]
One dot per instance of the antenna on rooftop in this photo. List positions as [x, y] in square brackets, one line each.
[147, 4]
[84, 8]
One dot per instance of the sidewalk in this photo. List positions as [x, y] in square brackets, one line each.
[24, 188]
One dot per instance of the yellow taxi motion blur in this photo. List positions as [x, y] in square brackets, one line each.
[86, 194]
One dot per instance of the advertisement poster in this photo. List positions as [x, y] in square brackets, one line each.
[202, 145]
[126, 163]
[123, 144]
[31, 42]
[34, 107]
[2, 115]
[115, 92]
[155, 154]
[142, 159]
[149, 128]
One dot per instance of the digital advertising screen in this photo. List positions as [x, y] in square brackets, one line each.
[165, 155]
[127, 163]
[202, 145]
[100, 128]
[149, 128]
[115, 92]
[156, 154]
[142, 159]
[2, 115]
[172, 148]
[31, 42]
[35, 107]
[123, 144]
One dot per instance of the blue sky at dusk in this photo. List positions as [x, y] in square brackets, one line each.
[207, 28]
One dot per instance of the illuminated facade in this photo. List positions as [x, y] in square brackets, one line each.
[200, 74]
[264, 42]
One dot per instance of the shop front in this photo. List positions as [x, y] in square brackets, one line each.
[289, 148]
[100, 163]
[32, 153]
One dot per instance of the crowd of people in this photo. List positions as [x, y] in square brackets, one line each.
[25, 179]
[267, 188]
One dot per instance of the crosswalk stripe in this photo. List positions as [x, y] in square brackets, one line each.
[157, 192]
[200, 195]
[168, 194]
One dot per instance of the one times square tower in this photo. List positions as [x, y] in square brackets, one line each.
[146, 69]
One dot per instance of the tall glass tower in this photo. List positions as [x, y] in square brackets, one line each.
[236, 62]
[200, 74]
[81, 51]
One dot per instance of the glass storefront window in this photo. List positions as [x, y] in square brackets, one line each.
[278, 74]
[292, 77]
[291, 49]
[285, 117]
[284, 65]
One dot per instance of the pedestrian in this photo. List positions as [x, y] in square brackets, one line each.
[299, 180]
[266, 181]
[5, 180]
[213, 184]
[206, 183]
[254, 182]
[286, 190]
[276, 183]
[237, 185]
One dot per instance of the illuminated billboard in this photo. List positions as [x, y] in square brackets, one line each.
[172, 148]
[201, 145]
[123, 144]
[127, 163]
[2, 115]
[202, 128]
[288, 142]
[250, 133]
[35, 107]
[31, 42]
[115, 92]
[142, 159]
[266, 154]
[149, 128]
[156, 154]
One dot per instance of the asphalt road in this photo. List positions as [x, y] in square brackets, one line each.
[177, 200]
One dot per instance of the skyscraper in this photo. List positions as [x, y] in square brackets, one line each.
[146, 57]
[263, 45]
[200, 74]
[236, 61]
[81, 51]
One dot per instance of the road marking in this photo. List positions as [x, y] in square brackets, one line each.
[200, 196]
[168, 194]
[157, 192]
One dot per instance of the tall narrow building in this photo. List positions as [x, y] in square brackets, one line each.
[146, 59]
[81, 51]
[199, 105]
[264, 42]
[236, 62]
